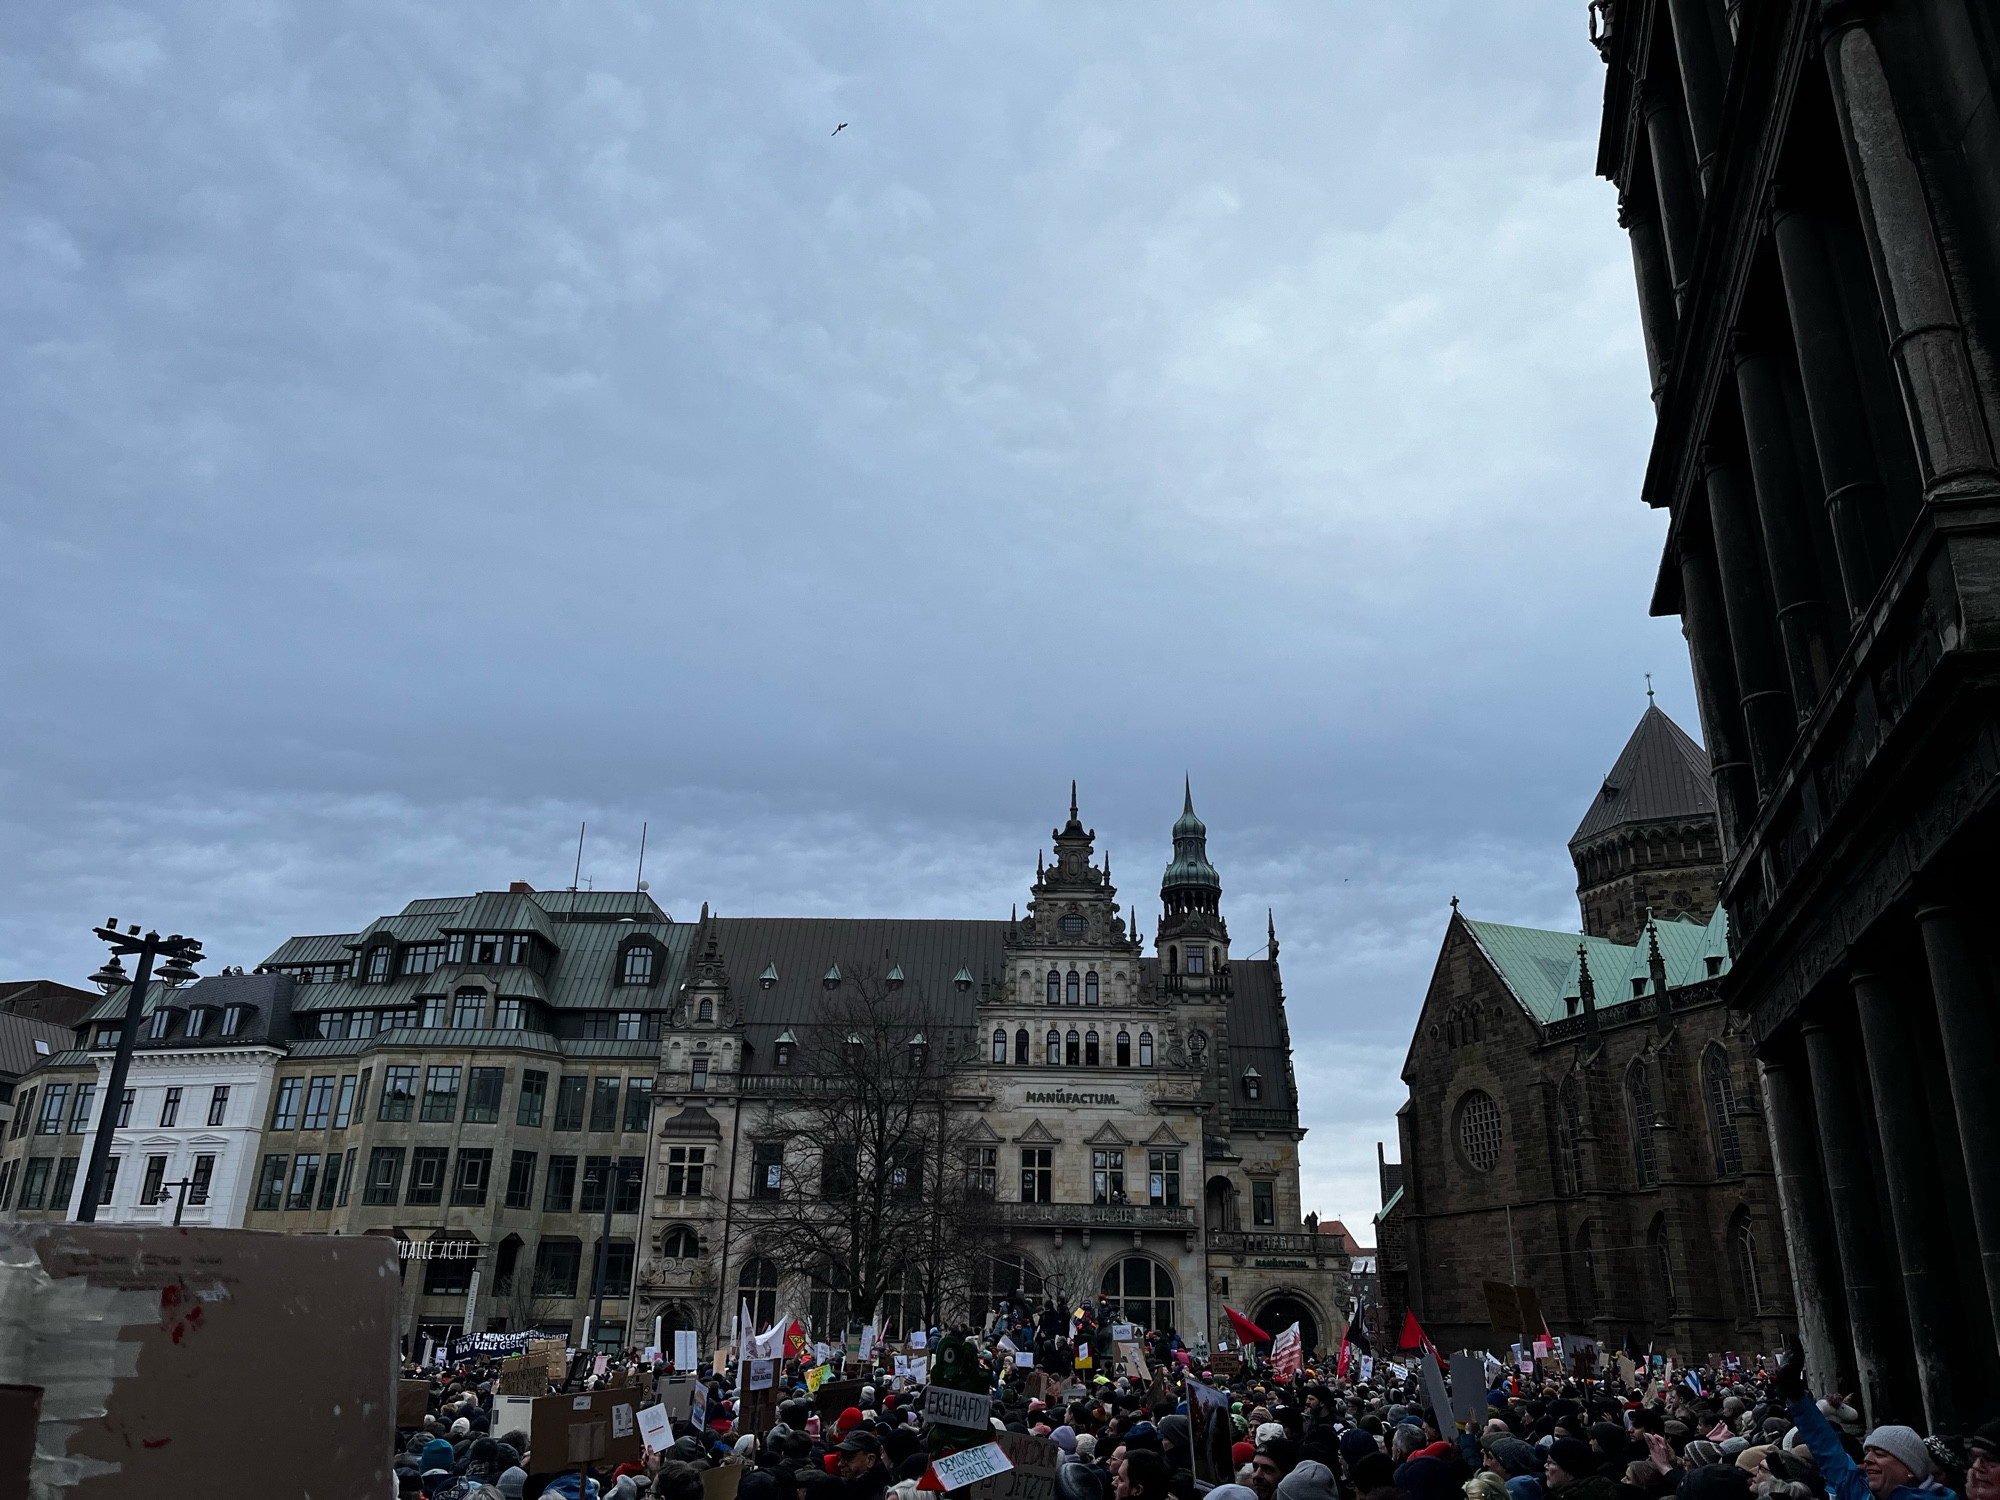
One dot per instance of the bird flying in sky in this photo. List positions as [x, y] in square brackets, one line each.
[840, 127]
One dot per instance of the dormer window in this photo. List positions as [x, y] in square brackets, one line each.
[517, 949]
[488, 947]
[637, 965]
[769, 977]
[197, 1022]
[962, 980]
[1253, 1084]
[378, 964]
[894, 978]
[1570, 1003]
[781, 1051]
[705, 1009]
[107, 1036]
[1713, 963]
[232, 1019]
[831, 979]
[1638, 988]
[163, 1022]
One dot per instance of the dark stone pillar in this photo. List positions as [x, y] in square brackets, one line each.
[1746, 599]
[1902, 1116]
[1673, 178]
[1702, 44]
[1657, 319]
[1926, 338]
[1808, 1226]
[1961, 981]
[1851, 1196]
[1787, 523]
[1707, 630]
[1856, 497]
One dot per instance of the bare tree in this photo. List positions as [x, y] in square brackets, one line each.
[858, 1176]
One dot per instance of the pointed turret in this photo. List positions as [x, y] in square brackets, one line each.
[1193, 940]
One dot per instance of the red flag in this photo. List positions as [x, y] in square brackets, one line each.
[1246, 1330]
[795, 1341]
[1346, 1353]
[1413, 1333]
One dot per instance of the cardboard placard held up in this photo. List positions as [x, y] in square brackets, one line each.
[676, 1394]
[183, 1324]
[1226, 1362]
[521, 1378]
[722, 1481]
[835, 1396]
[598, 1428]
[1033, 1476]
[413, 1400]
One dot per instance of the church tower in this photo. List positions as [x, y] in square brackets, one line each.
[1193, 940]
[1650, 842]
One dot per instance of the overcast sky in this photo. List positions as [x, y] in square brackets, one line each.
[427, 426]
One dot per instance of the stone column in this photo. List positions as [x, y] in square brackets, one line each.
[1808, 1226]
[1707, 630]
[1916, 1208]
[1746, 598]
[1960, 979]
[1702, 46]
[1787, 524]
[1657, 319]
[1851, 1196]
[1926, 338]
[1680, 204]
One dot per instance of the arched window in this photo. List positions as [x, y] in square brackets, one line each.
[1661, 1252]
[1145, 1049]
[1253, 1084]
[1055, 988]
[1569, 1133]
[1721, 1112]
[999, 1045]
[1639, 1096]
[1124, 1049]
[1215, 960]
[1090, 988]
[1584, 1267]
[1072, 1049]
[759, 1288]
[638, 965]
[1743, 1255]
[705, 1010]
[679, 1243]
[1141, 1291]
[1021, 1045]
[1055, 1047]
[1090, 1056]
[1479, 1131]
[1070, 992]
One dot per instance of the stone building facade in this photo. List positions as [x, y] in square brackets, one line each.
[1582, 1115]
[1132, 1118]
[1813, 196]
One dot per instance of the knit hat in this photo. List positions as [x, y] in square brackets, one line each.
[1573, 1457]
[1241, 1453]
[510, 1483]
[437, 1454]
[1516, 1457]
[1902, 1443]
[851, 1417]
[1986, 1441]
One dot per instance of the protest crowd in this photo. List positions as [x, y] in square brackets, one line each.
[1071, 1412]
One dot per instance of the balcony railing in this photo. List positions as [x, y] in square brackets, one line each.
[1244, 1242]
[1089, 1215]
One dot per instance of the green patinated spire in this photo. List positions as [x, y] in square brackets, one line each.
[1190, 866]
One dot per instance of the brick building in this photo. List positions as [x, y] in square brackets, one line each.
[1582, 1114]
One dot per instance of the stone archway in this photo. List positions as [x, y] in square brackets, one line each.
[1277, 1312]
[1219, 1203]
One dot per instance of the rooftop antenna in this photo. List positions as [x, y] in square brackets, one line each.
[576, 879]
[639, 880]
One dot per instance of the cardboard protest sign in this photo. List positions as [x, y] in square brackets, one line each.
[1033, 1475]
[967, 1466]
[1468, 1389]
[835, 1396]
[596, 1427]
[522, 1378]
[722, 1481]
[1226, 1362]
[413, 1400]
[513, 1414]
[181, 1325]
[675, 1393]
[956, 1408]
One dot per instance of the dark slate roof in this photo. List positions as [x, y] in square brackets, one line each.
[267, 998]
[1659, 776]
[18, 1035]
[929, 951]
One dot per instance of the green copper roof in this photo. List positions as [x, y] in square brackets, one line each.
[1190, 865]
[1542, 969]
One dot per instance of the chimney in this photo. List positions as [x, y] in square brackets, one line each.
[520, 888]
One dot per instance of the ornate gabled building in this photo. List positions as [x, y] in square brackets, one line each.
[1812, 189]
[1582, 1115]
[1130, 1123]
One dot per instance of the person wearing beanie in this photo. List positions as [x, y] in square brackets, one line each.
[511, 1482]
[1982, 1469]
[1894, 1462]
[1571, 1471]
[1517, 1466]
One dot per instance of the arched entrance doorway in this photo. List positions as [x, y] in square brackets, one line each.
[1277, 1313]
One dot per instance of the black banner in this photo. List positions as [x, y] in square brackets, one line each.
[473, 1345]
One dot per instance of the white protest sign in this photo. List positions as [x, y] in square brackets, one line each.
[868, 1341]
[1024, 1359]
[970, 1465]
[762, 1373]
[919, 1339]
[656, 1428]
[902, 1367]
[920, 1367]
[957, 1409]
[687, 1354]
[821, 1353]
[1367, 1367]
[1121, 1333]
[621, 1420]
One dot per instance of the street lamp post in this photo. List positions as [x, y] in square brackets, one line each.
[181, 954]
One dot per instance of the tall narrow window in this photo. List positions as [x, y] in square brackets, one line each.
[569, 1102]
[468, 1009]
[319, 1102]
[638, 968]
[1107, 1177]
[1021, 1045]
[1569, 1137]
[999, 1045]
[604, 1104]
[1743, 1249]
[153, 1188]
[1145, 1049]
[1639, 1095]
[482, 1095]
[1055, 988]
[1263, 1205]
[1124, 1053]
[1054, 1047]
[1037, 1175]
[200, 1178]
[1072, 1049]
[1090, 1050]
[285, 1112]
[1090, 988]
[1721, 1112]
[343, 1108]
[170, 1109]
[218, 1104]
[1163, 1179]
[534, 1090]
[1071, 994]
[638, 1103]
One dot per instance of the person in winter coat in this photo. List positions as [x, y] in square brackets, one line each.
[1894, 1465]
[1982, 1474]
[1571, 1472]
[1518, 1466]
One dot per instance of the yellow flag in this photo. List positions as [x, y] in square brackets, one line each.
[814, 1377]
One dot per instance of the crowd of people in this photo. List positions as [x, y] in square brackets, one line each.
[1117, 1434]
